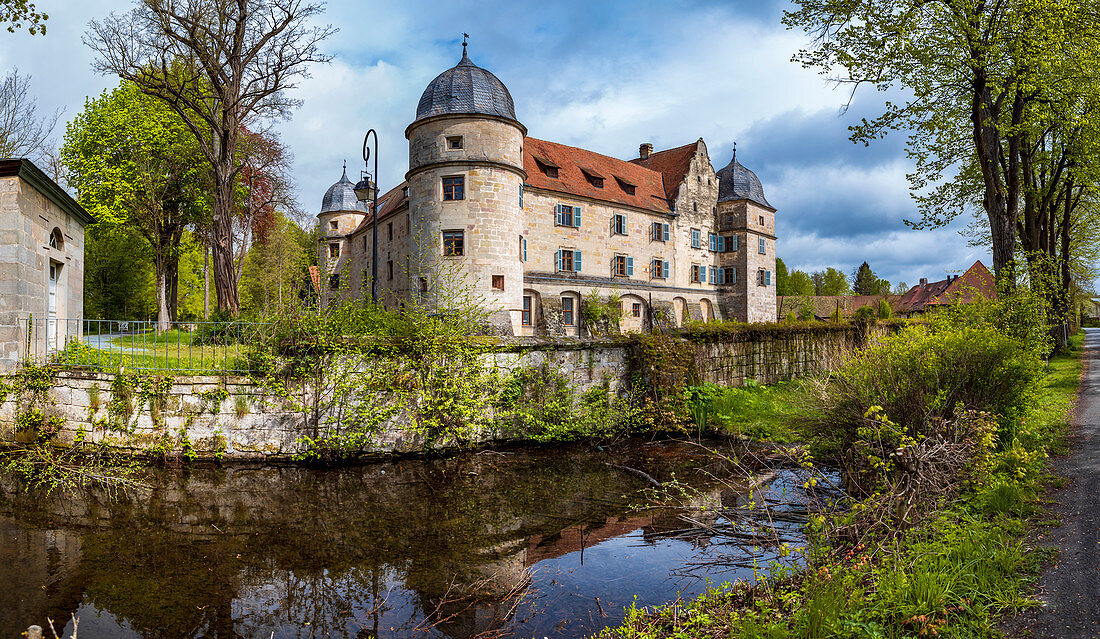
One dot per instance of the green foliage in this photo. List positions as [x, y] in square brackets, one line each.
[884, 310]
[782, 278]
[806, 309]
[17, 13]
[763, 413]
[865, 281]
[801, 284]
[539, 404]
[601, 316]
[864, 314]
[831, 281]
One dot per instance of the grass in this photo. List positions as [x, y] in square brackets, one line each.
[170, 351]
[753, 411]
[956, 575]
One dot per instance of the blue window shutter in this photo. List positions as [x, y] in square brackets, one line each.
[577, 217]
[559, 259]
[523, 244]
[577, 261]
[767, 278]
[629, 266]
[734, 238]
[557, 214]
[721, 275]
[712, 242]
[721, 244]
[665, 270]
[734, 276]
[664, 230]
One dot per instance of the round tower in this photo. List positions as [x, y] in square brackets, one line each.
[341, 213]
[743, 209]
[465, 180]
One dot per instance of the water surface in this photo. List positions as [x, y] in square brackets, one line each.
[546, 542]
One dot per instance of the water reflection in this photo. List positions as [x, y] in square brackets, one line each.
[528, 543]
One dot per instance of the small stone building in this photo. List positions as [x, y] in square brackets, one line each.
[41, 263]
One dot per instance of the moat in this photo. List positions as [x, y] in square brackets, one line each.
[545, 542]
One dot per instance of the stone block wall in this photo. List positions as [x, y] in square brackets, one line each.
[235, 418]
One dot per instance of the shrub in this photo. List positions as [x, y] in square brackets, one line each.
[921, 376]
[864, 314]
[884, 310]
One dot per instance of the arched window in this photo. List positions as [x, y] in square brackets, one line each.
[57, 240]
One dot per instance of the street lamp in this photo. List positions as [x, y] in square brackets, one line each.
[367, 189]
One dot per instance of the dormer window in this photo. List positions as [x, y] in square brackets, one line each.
[334, 225]
[595, 179]
[549, 169]
[627, 187]
[454, 142]
[405, 192]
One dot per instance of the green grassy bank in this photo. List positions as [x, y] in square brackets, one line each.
[956, 573]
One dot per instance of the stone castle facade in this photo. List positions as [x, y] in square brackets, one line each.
[531, 227]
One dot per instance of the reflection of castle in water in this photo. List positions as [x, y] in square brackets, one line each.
[249, 551]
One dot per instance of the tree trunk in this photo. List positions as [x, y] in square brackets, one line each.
[221, 244]
[171, 286]
[163, 320]
[206, 282]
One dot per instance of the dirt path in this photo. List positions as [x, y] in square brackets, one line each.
[1070, 588]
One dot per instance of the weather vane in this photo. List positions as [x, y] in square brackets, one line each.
[465, 36]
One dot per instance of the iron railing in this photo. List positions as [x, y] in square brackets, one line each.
[107, 345]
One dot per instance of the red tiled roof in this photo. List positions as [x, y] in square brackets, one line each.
[977, 280]
[672, 164]
[387, 204]
[649, 185]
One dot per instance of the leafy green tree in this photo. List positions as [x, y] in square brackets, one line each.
[831, 281]
[274, 268]
[119, 282]
[901, 288]
[971, 72]
[20, 13]
[800, 283]
[782, 278]
[133, 163]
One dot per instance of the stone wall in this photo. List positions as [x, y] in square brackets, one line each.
[235, 418]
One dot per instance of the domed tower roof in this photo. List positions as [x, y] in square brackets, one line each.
[341, 197]
[466, 89]
[735, 182]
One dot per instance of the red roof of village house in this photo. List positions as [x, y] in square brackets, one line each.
[387, 204]
[672, 164]
[571, 162]
[977, 280]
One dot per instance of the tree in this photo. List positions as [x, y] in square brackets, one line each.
[970, 71]
[901, 288]
[864, 282]
[17, 13]
[275, 268]
[782, 279]
[223, 66]
[264, 185]
[831, 281]
[134, 164]
[800, 283]
[23, 132]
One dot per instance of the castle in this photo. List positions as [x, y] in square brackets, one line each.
[534, 226]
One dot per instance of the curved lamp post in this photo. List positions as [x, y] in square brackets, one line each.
[367, 189]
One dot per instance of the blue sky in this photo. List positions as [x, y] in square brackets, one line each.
[602, 75]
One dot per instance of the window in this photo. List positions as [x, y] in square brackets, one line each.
[660, 269]
[453, 243]
[695, 238]
[332, 225]
[569, 260]
[712, 242]
[389, 231]
[761, 220]
[521, 196]
[423, 285]
[593, 179]
[714, 275]
[636, 309]
[627, 187]
[526, 319]
[334, 281]
[566, 215]
[729, 244]
[698, 273]
[763, 246]
[405, 192]
[567, 317]
[729, 275]
[623, 266]
[548, 169]
[389, 270]
[763, 278]
[454, 188]
[618, 224]
[659, 232]
[498, 282]
[334, 250]
[56, 240]
[522, 249]
[365, 245]
[454, 142]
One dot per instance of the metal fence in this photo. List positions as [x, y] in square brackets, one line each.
[107, 345]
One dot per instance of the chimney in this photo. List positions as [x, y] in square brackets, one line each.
[644, 149]
[923, 282]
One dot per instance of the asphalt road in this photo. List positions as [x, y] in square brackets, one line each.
[1070, 588]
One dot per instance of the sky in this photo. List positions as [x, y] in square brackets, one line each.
[605, 76]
